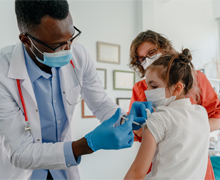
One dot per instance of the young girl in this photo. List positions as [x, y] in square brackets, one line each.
[177, 128]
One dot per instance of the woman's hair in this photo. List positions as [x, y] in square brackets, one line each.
[175, 67]
[147, 36]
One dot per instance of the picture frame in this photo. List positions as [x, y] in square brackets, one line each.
[102, 73]
[123, 80]
[123, 103]
[86, 113]
[108, 53]
[202, 70]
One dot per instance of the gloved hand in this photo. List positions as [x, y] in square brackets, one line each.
[138, 110]
[105, 136]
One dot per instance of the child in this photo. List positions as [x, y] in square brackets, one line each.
[177, 128]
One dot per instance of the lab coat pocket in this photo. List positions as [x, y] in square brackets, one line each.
[73, 95]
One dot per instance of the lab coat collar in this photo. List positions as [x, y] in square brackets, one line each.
[17, 69]
[34, 71]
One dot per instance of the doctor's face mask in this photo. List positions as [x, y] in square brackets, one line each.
[56, 59]
[61, 53]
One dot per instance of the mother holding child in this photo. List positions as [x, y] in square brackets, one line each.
[186, 110]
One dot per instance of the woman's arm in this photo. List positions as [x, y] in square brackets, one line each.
[144, 157]
[209, 100]
[214, 124]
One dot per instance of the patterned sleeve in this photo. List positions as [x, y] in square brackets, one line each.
[157, 126]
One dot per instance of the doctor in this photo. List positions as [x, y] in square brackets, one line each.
[40, 81]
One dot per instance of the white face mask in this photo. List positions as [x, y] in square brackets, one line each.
[158, 97]
[148, 61]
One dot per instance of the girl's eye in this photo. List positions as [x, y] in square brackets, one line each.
[154, 87]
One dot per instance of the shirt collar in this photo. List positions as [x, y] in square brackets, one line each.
[34, 71]
[181, 102]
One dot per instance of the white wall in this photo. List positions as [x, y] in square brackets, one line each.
[189, 24]
[9, 30]
[215, 7]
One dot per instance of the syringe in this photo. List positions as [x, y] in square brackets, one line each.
[148, 113]
[132, 122]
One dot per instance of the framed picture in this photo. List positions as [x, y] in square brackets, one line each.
[123, 80]
[108, 53]
[86, 113]
[123, 103]
[102, 75]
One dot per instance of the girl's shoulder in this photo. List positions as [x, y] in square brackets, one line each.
[181, 106]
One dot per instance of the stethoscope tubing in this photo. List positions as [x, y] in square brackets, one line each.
[27, 127]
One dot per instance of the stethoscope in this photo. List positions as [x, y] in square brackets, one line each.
[27, 126]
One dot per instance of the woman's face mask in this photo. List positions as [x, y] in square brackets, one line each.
[149, 61]
[147, 53]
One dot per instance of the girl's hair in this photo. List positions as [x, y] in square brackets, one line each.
[147, 36]
[174, 67]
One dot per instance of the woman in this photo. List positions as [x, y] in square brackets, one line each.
[147, 47]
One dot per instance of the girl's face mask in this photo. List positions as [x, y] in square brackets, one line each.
[158, 91]
[158, 97]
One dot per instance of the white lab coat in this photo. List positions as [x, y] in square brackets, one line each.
[22, 152]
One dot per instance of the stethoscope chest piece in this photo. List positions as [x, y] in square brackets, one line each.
[27, 127]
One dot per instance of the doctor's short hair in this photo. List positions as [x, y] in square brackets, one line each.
[30, 12]
[175, 67]
[147, 36]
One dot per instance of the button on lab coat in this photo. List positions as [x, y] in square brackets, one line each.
[20, 151]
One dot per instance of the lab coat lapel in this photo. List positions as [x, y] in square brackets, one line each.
[18, 70]
[65, 86]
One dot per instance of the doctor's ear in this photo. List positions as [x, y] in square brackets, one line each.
[24, 39]
[179, 87]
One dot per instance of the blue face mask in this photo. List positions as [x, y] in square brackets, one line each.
[57, 59]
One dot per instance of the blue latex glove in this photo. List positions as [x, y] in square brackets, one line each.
[105, 136]
[138, 110]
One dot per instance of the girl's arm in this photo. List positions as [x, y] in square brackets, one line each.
[144, 157]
